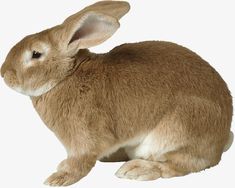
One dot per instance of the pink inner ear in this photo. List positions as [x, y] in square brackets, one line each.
[75, 37]
[91, 30]
[88, 27]
[81, 33]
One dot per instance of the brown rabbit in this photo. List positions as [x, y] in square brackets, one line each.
[155, 104]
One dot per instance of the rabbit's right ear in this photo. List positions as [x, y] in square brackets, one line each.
[92, 25]
[115, 9]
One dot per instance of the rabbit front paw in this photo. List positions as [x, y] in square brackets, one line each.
[61, 178]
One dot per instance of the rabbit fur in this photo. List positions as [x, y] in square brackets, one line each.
[155, 104]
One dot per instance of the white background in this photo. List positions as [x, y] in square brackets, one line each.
[29, 152]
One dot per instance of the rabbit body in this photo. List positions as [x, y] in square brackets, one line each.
[156, 105]
[157, 100]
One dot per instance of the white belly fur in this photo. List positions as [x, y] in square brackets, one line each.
[144, 146]
[151, 146]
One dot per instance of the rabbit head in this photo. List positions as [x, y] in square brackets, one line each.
[40, 61]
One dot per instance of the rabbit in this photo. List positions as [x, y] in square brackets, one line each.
[155, 105]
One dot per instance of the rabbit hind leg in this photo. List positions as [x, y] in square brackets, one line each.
[178, 164]
[182, 143]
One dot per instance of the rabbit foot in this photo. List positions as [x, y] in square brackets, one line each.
[61, 178]
[140, 170]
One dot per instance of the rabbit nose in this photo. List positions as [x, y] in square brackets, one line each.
[3, 69]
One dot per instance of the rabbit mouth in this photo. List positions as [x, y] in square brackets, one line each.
[12, 82]
[10, 79]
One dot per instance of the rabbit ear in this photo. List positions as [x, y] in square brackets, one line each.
[91, 26]
[91, 29]
[115, 9]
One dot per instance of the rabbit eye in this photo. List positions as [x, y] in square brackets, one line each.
[36, 55]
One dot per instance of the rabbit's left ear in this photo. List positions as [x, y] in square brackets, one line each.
[92, 29]
[91, 26]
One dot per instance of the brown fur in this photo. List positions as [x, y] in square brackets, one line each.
[102, 101]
